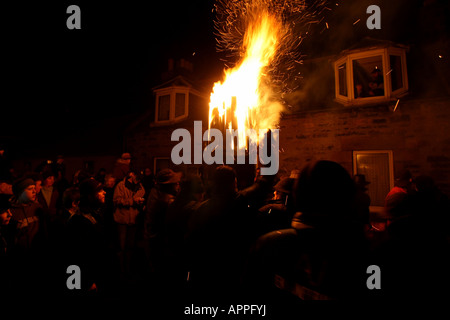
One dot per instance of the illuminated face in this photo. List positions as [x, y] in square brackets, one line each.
[5, 216]
[110, 182]
[29, 194]
[101, 196]
[49, 181]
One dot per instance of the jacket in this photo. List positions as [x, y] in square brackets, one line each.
[125, 200]
[29, 225]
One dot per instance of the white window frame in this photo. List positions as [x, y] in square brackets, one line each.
[388, 94]
[172, 91]
[391, 168]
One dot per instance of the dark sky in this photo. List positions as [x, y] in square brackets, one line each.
[60, 80]
[107, 68]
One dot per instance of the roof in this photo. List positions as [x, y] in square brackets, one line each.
[178, 81]
[369, 43]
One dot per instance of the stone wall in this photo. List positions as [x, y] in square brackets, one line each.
[418, 133]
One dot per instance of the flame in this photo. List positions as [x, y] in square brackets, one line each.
[244, 100]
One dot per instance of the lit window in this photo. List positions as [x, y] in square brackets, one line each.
[368, 77]
[371, 76]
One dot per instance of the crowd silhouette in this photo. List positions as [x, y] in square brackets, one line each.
[280, 240]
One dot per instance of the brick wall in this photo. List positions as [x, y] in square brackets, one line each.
[418, 133]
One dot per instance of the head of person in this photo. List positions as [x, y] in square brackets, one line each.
[126, 157]
[133, 177]
[71, 198]
[37, 177]
[404, 179]
[48, 178]
[224, 181]
[192, 188]
[360, 182]
[92, 195]
[168, 181]
[324, 191]
[110, 181]
[5, 213]
[24, 190]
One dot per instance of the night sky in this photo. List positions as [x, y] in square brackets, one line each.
[59, 81]
[107, 68]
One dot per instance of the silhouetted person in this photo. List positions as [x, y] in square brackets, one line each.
[362, 201]
[164, 194]
[128, 200]
[176, 224]
[5, 243]
[122, 166]
[323, 255]
[219, 236]
[86, 242]
[278, 212]
[30, 235]
[416, 255]
[48, 197]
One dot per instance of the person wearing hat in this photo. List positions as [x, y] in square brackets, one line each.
[30, 234]
[323, 253]
[362, 201]
[48, 197]
[128, 199]
[86, 246]
[402, 184]
[166, 189]
[278, 211]
[122, 166]
[27, 215]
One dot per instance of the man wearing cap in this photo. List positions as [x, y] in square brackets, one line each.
[362, 201]
[26, 215]
[128, 198]
[164, 193]
[122, 166]
[29, 233]
[86, 246]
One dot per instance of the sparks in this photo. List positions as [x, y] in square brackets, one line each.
[395, 108]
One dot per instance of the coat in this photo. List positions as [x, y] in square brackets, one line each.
[125, 200]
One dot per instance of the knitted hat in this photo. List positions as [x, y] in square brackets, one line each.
[21, 184]
[90, 187]
[166, 176]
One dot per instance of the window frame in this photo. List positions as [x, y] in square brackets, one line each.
[172, 92]
[385, 54]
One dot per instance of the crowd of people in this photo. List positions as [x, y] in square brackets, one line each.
[308, 235]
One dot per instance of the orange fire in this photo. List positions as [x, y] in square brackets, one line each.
[244, 100]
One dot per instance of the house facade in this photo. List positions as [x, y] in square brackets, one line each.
[378, 106]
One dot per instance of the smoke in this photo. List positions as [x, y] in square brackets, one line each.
[296, 17]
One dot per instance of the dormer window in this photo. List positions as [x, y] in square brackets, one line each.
[371, 75]
[171, 104]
